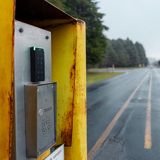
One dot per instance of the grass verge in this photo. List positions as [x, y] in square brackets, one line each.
[93, 77]
[110, 68]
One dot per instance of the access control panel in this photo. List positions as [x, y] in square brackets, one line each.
[34, 93]
[37, 64]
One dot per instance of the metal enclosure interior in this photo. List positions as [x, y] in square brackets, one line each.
[26, 36]
[40, 105]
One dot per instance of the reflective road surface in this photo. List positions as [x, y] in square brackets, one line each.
[123, 116]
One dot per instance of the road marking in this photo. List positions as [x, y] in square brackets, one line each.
[105, 134]
[148, 137]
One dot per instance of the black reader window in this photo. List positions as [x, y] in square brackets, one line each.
[37, 64]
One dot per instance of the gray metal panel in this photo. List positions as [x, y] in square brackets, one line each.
[31, 120]
[31, 36]
[40, 100]
[46, 130]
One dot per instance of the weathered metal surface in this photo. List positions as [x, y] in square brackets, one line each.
[63, 72]
[6, 76]
[78, 150]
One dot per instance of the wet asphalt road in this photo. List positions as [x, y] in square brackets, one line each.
[127, 139]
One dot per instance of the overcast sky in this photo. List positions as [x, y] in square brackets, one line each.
[139, 20]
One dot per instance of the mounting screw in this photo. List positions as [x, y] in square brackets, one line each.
[21, 30]
[47, 37]
[41, 111]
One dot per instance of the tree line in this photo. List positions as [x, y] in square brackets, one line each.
[100, 51]
[124, 53]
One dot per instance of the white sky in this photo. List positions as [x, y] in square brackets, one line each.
[139, 20]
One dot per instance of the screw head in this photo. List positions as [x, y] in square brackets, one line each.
[47, 37]
[21, 30]
[40, 112]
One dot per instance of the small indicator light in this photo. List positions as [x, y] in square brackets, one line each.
[34, 48]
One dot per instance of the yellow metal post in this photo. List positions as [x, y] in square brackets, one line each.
[63, 72]
[69, 70]
[78, 150]
[6, 76]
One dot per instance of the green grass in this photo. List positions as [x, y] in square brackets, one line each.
[114, 68]
[93, 77]
[129, 68]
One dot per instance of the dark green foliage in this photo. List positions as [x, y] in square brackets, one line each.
[124, 53]
[57, 3]
[159, 62]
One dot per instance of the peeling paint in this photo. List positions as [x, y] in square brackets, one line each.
[12, 84]
[66, 133]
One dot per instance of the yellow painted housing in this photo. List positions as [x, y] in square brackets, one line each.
[68, 70]
[6, 76]
[78, 149]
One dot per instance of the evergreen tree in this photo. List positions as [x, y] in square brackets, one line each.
[126, 52]
[141, 52]
[110, 56]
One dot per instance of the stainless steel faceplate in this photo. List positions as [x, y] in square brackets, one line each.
[40, 103]
[26, 36]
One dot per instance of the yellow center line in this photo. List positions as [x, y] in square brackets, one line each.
[148, 138]
[105, 134]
